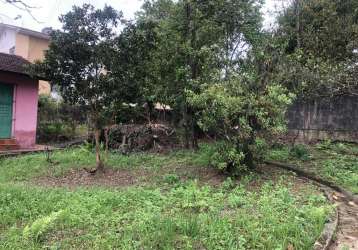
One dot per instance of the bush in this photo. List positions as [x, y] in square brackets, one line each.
[228, 159]
[171, 179]
[243, 113]
[231, 159]
[57, 121]
[300, 152]
[55, 132]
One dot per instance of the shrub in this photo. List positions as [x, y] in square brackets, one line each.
[171, 179]
[57, 121]
[228, 159]
[55, 132]
[300, 152]
[243, 114]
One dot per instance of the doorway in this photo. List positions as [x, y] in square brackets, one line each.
[6, 103]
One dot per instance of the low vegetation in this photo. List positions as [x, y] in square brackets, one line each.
[336, 162]
[172, 209]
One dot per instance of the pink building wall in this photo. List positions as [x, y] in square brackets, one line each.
[24, 108]
[25, 114]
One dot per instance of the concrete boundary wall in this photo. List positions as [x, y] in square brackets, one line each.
[335, 119]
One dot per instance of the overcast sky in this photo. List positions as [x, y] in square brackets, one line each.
[48, 11]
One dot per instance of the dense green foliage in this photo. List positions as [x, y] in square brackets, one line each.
[95, 68]
[325, 29]
[80, 59]
[319, 41]
[211, 67]
[211, 62]
[173, 47]
[244, 114]
[166, 212]
[197, 42]
[58, 121]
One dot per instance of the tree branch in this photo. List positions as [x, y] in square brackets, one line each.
[23, 6]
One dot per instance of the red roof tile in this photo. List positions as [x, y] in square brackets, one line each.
[13, 63]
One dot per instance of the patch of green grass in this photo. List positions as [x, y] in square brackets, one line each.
[167, 214]
[336, 162]
[342, 170]
[184, 217]
[26, 167]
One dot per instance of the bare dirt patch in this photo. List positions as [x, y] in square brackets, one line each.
[130, 177]
[205, 175]
[76, 178]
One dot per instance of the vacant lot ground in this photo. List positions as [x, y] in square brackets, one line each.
[335, 162]
[147, 201]
[338, 164]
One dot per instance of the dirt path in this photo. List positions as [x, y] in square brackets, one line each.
[347, 232]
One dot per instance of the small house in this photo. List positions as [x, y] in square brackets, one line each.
[29, 44]
[18, 104]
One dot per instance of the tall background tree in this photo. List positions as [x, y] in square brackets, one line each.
[99, 67]
[132, 63]
[198, 42]
[319, 41]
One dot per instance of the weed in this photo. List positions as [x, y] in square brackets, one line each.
[300, 152]
[326, 144]
[42, 226]
[171, 179]
[228, 184]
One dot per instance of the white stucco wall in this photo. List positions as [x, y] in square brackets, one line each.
[7, 39]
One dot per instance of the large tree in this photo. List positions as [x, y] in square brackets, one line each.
[319, 38]
[80, 61]
[323, 28]
[132, 64]
[198, 41]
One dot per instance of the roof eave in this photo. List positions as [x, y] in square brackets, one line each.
[34, 34]
[27, 31]
[39, 78]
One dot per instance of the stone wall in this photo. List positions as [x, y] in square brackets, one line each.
[335, 119]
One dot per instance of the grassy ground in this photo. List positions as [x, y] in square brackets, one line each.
[336, 162]
[174, 208]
